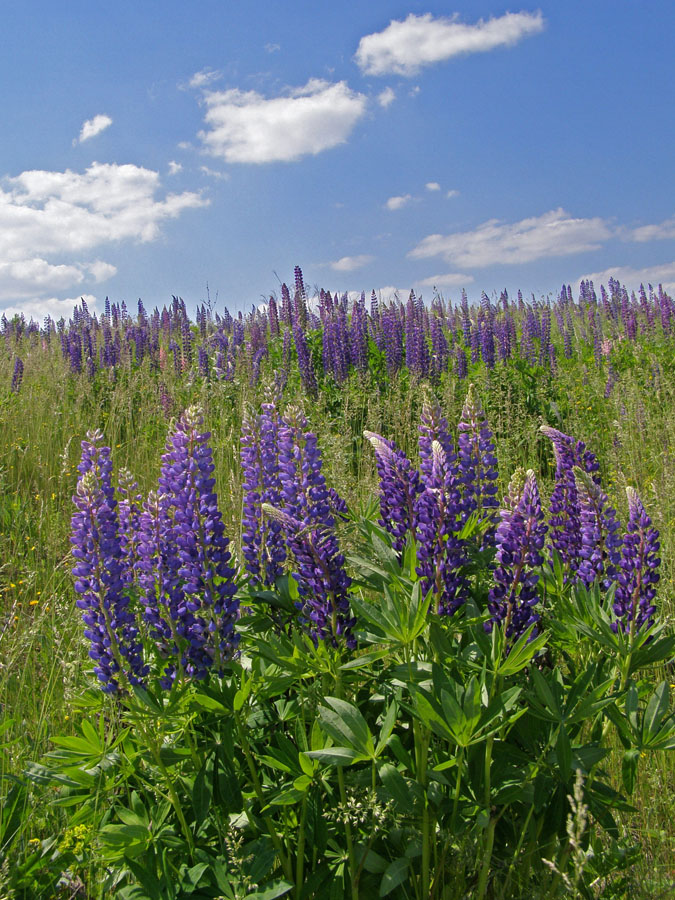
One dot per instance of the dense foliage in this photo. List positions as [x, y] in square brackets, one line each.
[404, 639]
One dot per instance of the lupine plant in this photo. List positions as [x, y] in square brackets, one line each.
[415, 722]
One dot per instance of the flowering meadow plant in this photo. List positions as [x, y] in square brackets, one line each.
[459, 690]
[354, 706]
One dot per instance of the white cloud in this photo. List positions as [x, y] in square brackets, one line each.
[212, 173]
[554, 233]
[432, 186]
[175, 167]
[633, 278]
[662, 231]
[203, 78]
[272, 48]
[92, 127]
[386, 97]
[245, 127]
[452, 193]
[398, 202]
[450, 279]
[349, 263]
[46, 218]
[101, 271]
[38, 308]
[403, 48]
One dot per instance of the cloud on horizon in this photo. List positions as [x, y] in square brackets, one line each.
[350, 263]
[47, 218]
[555, 233]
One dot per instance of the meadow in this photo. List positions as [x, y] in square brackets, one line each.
[339, 598]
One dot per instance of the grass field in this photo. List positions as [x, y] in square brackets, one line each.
[100, 790]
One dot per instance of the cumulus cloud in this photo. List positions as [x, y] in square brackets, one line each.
[452, 193]
[555, 233]
[404, 47]
[663, 274]
[46, 218]
[92, 127]
[432, 186]
[662, 231]
[449, 279]
[245, 127]
[204, 78]
[398, 202]
[38, 308]
[350, 263]
[386, 97]
[175, 167]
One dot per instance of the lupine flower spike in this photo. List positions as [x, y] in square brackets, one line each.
[477, 461]
[110, 625]
[638, 570]
[399, 486]
[520, 541]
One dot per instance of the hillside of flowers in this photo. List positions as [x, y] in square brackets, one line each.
[339, 597]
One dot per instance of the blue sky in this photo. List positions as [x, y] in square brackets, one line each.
[152, 149]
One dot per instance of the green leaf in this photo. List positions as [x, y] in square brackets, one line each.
[344, 722]
[522, 652]
[629, 767]
[202, 791]
[401, 791]
[395, 874]
[337, 756]
[366, 659]
[657, 709]
[387, 727]
[274, 889]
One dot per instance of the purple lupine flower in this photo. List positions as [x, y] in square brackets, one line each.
[544, 348]
[520, 541]
[193, 534]
[400, 484]
[600, 549]
[304, 359]
[358, 336]
[303, 486]
[477, 462]
[466, 319]
[433, 427]
[438, 515]
[98, 572]
[392, 335]
[323, 583]
[128, 512]
[262, 541]
[17, 376]
[638, 572]
[564, 512]
[203, 363]
[461, 370]
[612, 378]
[439, 349]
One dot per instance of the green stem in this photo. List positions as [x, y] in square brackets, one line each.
[173, 796]
[422, 738]
[353, 879]
[490, 835]
[458, 789]
[257, 787]
[300, 858]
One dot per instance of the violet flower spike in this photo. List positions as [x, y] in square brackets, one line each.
[400, 484]
[520, 540]
[98, 573]
[638, 570]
